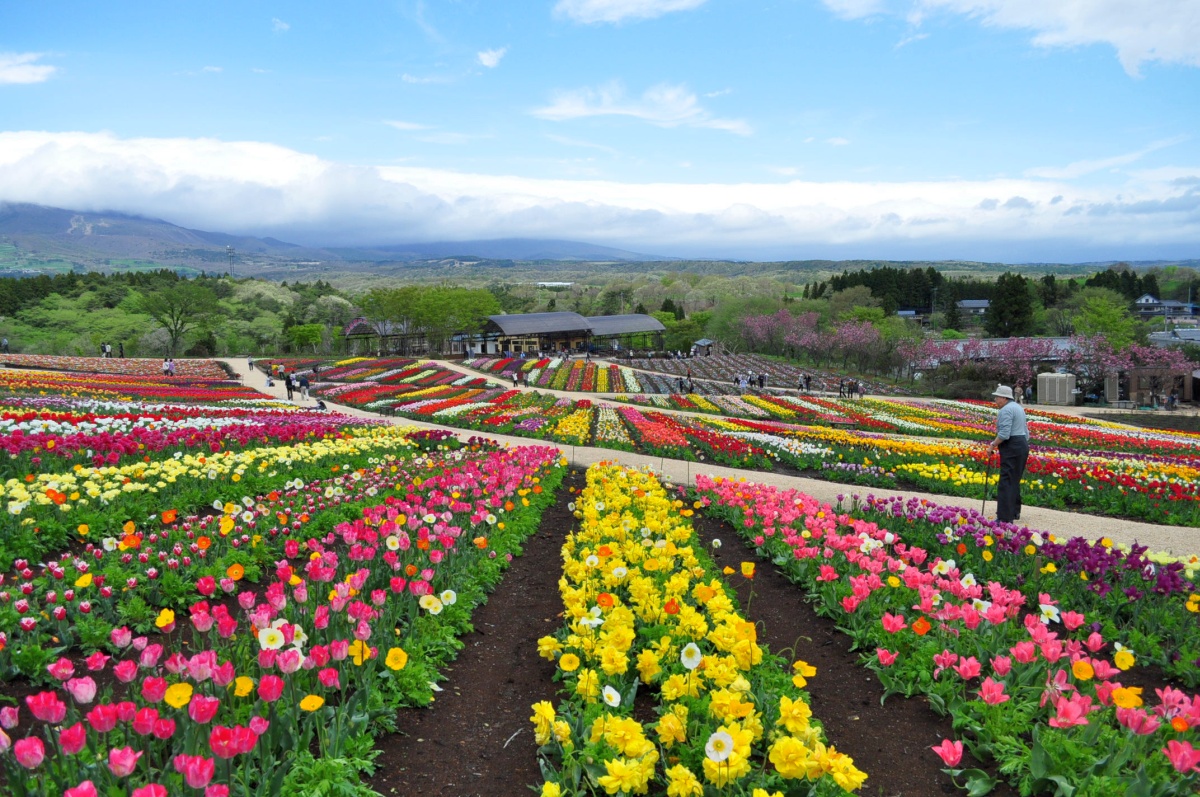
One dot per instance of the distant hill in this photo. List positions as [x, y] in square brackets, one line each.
[35, 237]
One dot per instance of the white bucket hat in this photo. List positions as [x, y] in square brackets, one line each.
[1004, 391]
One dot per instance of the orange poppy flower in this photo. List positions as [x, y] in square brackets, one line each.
[203, 543]
[671, 607]
[235, 571]
[962, 548]
[273, 495]
[423, 545]
[921, 627]
[129, 527]
[537, 489]
[411, 570]
[604, 600]
[480, 542]
[509, 506]
[169, 516]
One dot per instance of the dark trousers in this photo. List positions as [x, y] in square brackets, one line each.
[1013, 454]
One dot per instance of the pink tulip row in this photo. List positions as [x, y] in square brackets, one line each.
[997, 652]
[290, 662]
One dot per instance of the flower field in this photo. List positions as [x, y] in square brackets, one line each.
[935, 446]
[644, 608]
[194, 369]
[253, 593]
[556, 373]
[722, 368]
[1050, 656]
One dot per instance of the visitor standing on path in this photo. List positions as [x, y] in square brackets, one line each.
[304, 387]
[4, 345]
[121, 350]
[1012, 441]
[290, 385]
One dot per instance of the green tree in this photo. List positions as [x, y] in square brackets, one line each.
[303, 335]
[1104, 312]
[1010, 313]
[179, 310]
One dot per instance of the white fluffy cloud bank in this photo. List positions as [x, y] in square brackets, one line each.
[261, 189]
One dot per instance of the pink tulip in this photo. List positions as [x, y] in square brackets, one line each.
[29, 752]
[153, 689]
[217, 790]
[259, 725]
[1071, 711]
[893, 623]
[121, 637]
[125, 671]
[97, 661]
[143, 721]
[197, 770]
[73, 739]
[85, 789]
[164, 728]
[329, 678]
[950, 752]
[1182, 756]
[1002, 665]
[1024, 652]
[206, 585]
[83, 690]
[270, 688]
[1072, 620]
[47, 707]
[992, 692]
[886, 657]
[202, 709]
[9, 717]
[123, 760]
[103, 718]
[1138, 721]
[288, 661]
[968, 668]
[150, 790]
[61, 669]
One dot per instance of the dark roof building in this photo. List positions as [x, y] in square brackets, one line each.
[532, 324]
[610, 325]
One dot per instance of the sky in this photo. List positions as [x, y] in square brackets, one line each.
[996, 130]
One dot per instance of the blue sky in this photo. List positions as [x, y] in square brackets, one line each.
[1016, 130]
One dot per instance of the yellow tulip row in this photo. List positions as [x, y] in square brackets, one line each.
[641, 606]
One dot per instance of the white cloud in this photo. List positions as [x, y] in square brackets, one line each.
[1085, 167]
[589, 11]
[1141, 31]
[404, 125]
[213, 69]
[664, 105]
[837, 141]
[907, 40]
[855, 9]
[491, 58]
[20, 68]
[264, 189]
[279, 26]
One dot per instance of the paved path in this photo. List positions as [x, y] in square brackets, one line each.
[1179, 541]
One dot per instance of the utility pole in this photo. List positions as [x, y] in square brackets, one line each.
[229, 252]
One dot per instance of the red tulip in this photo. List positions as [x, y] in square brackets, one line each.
[164, 728]
[143, 721]
[150, 790]
[153, 689]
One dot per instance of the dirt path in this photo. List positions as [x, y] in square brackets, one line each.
[1177, 540]
[476, 738]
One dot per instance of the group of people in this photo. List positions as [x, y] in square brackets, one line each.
[106, 350]
[168, 366]
[748, 381]
[850, 388]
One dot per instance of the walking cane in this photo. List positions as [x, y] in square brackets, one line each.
[987, 477]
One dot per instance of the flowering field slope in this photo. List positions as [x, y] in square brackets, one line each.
[1044, 652]
[251, 594]
[194, 369]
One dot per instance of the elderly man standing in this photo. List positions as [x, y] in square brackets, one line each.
[1012, 441]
